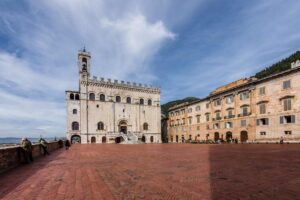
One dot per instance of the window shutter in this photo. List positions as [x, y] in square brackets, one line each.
[281, 120]
[293, 119]
[267, 121]
[257, 122]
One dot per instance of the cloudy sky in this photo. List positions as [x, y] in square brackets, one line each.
[188, 48]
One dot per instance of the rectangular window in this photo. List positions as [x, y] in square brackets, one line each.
[198, 118]
[228, 124]
[183, 121]
[288, 132]
[207, 117]
[198, 128]
[263, 133]
[197, 108]
[286, 84]
[207, 105]
[182, 111]
[287, 104]
[216, 126]
[230, 113]
[262, 122]
[262, 108]
[190, 120]
[217, 102]
[288, 119]
[244, 95]
[229, 99]
[245, 111]
[218, 115]
[243, 123]
[262, 91]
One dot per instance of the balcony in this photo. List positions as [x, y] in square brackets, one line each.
[244, 114]
[218, 118]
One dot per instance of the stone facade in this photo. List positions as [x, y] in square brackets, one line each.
[262, 110]
[103, 111]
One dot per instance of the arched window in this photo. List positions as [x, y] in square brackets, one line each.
[118, 99]
[100, 126]
[102, 97]
[149, 102]
[72, 96]
[74, 111]
[128, 100]
[84, 63]
[142, 101]
[77, 97]
[145, 126]
[75, 126]
[92, 96]
[151, 139]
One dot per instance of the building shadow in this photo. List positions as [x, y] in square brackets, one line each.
[254, 171]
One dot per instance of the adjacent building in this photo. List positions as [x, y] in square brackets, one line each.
[260, 110]
[110, 111]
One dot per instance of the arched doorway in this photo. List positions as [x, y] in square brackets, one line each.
[75, 139]
[143, 138]
[123, 127]
[93, 139]
[216, 136]
[103, 139]
[228, 137]
[244, 136]
[118, 140]
[151, 139]
[177, 138]
[172, 138]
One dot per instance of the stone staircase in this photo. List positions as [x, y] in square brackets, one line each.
[130, 138]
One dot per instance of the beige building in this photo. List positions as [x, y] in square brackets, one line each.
[250, 110]
[106, 111]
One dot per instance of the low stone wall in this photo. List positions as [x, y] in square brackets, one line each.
[12, 156]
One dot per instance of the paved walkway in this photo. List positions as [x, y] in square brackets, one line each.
[155, 171]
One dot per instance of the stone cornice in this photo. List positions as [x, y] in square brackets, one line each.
[122, 85]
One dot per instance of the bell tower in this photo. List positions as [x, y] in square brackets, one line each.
[84, 64]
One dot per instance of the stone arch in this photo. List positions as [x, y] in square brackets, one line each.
[244, 136]
[75, 139]
[151, 139]
[123, 126]
[76, 96]
[93, 139]
[216, 136]
[177, 138]
[149, 102]
[104, 139]
[72, 96]
[102, 97]
[143, 139]
[228, 136]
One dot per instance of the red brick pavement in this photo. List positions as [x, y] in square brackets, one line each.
[156, 171]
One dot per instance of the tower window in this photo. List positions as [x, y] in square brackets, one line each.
[72, 96]
[102, 97]
[128, 100]
[149, 102]
[118, 99]
[100, 126]
[75, 126]
[76, 96]
[145, 126]
[142, 101]
[74, 111]
[92, 96]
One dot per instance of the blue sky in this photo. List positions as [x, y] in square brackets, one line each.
[188, 48]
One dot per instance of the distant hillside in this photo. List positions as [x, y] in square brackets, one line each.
[280, 66]
[165, 107]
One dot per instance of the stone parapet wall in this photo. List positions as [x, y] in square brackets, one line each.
[12, 156]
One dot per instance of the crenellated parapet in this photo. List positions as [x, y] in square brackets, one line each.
[102, 82]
